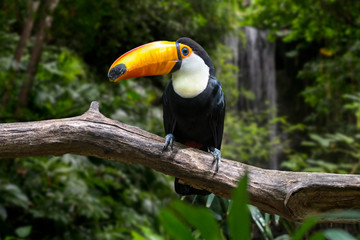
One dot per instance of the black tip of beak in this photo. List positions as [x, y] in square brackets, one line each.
[117, 71]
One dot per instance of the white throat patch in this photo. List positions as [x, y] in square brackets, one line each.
[192, 77]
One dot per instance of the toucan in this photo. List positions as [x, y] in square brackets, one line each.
[193, 100]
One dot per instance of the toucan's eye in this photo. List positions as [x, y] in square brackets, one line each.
[185, 51]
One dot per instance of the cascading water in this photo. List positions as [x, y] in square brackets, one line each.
[256, 61]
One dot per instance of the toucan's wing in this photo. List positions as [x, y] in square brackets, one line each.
[169, 120]
[218, 112]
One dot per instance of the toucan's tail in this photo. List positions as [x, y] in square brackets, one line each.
[184, 189]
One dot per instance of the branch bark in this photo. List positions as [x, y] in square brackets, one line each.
[292, 195]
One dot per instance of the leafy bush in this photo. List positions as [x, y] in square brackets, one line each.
[76, 198]
[180, 220]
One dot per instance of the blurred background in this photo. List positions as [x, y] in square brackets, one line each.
[290, 71]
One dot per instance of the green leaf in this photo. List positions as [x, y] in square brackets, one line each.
[317, 236]
[15, 195]
[209, 200]
[258, 219]
[304, 228]
[24, 231]
[348, 215]
[200, 218]
[308, 144]
[150, 235]
[239, 216]
[282, 237]
[261, 222]
[137, 236]
[292, 53]
[174, 226]
[324, 142]
[338, 234]
[3, 212]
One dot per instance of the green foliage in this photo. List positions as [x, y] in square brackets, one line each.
[330, 75]
[239, 217]
[337, 234]
[12, 194]
[354, 106]
[72, 197]
[180, 220]
[335, 80]
[247, 136]
[227, 73]
[310, 20]
[179, 217]
[23, 232]
[330, 152]
[262, 222]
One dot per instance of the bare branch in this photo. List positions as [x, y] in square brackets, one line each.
[292, 195]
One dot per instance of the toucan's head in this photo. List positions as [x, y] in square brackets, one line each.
[160, 58]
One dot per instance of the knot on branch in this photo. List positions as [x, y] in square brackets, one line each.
[93, 114]
[94, 106]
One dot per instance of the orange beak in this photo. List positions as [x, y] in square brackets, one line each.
[156, 58]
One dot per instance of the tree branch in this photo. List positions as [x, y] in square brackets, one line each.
[292, 195]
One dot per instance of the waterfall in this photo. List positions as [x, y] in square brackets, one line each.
[256, 60]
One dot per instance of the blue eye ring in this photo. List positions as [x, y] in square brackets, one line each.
[185, 51]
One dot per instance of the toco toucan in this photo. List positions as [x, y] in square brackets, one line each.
[193, 101]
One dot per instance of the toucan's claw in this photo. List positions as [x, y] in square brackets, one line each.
[217, 157]
[169, 140]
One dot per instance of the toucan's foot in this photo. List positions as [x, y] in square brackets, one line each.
[217, 157]
[169, 140]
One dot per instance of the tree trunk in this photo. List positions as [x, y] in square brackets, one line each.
[292, 195]
[45, 23]
[32, 8]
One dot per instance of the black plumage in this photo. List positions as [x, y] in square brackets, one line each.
[198, 121]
